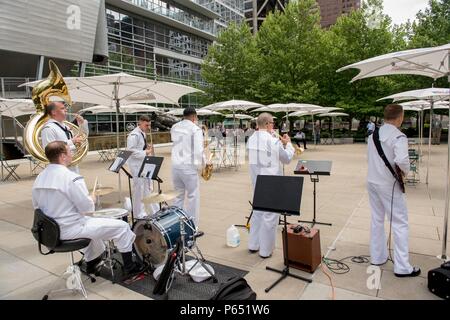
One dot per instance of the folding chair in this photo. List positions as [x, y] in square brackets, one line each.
[10, 169]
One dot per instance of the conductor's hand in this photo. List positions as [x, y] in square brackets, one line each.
[285, 139]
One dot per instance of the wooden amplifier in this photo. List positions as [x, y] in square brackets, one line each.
[304, 251]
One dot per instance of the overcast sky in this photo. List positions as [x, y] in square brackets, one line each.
[402, 10]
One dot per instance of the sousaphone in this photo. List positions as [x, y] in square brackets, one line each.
[53, 86]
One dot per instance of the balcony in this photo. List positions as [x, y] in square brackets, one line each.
[178, 19]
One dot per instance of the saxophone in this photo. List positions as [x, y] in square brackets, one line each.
[208, 168]
[54, 85]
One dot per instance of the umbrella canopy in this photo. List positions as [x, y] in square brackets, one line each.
[132, 108]
[200, 112]
[333, 114]
[430, 94]
[127, 89]
[321, 110]
[233, 105]
[431, 62]
[239, 116]
[16, 107]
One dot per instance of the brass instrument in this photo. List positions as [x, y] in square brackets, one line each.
[208, 168]
[54, 85]
[298, 150]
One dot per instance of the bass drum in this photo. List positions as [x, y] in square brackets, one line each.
[157, 235]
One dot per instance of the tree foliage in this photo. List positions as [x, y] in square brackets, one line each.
[293, 59]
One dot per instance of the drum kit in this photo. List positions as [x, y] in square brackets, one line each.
[158, 235]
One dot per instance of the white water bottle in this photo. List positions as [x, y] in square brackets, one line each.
[233, 237]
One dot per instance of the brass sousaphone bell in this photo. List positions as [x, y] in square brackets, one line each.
[53, 86]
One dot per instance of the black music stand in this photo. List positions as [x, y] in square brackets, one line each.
[150, 169]
[314, 168]
[117, 165]
[279, 194]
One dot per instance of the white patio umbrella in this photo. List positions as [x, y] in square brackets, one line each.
[13, 108]
[239, 116]
[431, 95]
[431, 62]
[200, 112]
[122, 89]
[333, 115]
[233, 105]
[311, 110]
[417, 106]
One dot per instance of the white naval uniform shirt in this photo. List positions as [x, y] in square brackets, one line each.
[62, 195]
[52, 132]
[395, 147]
[187, 150]
[265, 154]
[136, 143]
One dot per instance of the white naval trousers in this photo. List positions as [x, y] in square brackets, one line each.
[142, 187]
[187, 184]
[263, 232]
[380, 197]
[100, 230]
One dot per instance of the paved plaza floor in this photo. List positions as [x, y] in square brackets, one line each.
[342, 200]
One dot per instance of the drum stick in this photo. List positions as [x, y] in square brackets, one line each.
[95, 186]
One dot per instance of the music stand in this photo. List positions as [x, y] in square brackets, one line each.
[314, 168]
[117, 165]
[150, 169]
[279, 194]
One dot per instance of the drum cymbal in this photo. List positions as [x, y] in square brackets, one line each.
[161, 197]
[102, 191]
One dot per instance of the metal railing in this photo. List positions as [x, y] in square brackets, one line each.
[180, 16]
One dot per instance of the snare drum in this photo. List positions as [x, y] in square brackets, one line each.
[156, 235]
[111, 213]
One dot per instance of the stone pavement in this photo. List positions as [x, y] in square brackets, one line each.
[342, 200]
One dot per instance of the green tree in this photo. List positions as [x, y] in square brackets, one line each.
[290, 54]
[229, 66]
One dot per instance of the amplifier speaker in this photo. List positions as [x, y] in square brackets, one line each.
[304, 251]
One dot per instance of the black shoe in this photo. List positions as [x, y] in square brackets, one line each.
[253, 251]
[265, 257]
[414, 273]
[94, 266]
[132, 270]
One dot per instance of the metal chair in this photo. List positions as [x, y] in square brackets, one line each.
[47, 233]
[10, 169]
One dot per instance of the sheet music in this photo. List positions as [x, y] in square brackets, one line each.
[116, 165]
[147, 171]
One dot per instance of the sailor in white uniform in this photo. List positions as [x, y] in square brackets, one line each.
[187, 159]
[137, 142]
[62, 195]
[265, 154]
[55, 129]
[385, 195]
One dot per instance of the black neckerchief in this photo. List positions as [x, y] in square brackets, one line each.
[66, 131]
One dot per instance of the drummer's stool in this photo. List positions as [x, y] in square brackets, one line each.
[110, 261]
[46, 231]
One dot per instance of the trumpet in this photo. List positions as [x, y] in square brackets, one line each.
[298, 150]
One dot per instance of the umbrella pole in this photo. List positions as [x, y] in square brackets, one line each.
[429, 140]
[445, 229]
[235, 139]
[332, 129]
[420, 134]
[116, 98]
[314, 131]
